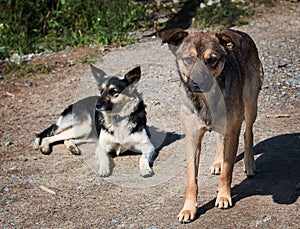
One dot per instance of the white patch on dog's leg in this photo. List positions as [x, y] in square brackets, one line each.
[36, 143]
[103, 161]
[72, 147]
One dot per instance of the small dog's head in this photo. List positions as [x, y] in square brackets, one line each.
[115, 91]
[201, 56]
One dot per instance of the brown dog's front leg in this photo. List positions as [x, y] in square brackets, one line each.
[230, 148]
[192, 149]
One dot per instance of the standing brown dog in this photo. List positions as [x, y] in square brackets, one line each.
[221, 76]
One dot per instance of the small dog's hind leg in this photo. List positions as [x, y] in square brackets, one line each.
[45, 146]
[72, 147]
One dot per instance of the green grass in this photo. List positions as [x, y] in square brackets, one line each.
[222, 14]
[46, 25]
[50, 26]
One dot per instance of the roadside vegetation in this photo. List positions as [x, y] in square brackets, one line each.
[45, 26]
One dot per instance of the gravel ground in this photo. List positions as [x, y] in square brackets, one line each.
[77, 198]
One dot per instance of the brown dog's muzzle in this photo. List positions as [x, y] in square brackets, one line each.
[200, 79]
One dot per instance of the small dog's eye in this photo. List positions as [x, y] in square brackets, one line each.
[114, 92]
[189, 60]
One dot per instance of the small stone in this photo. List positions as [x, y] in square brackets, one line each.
[9, 143]
[27, 85]
[114, 221]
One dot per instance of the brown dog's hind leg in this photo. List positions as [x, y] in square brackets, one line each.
[250, 116]
[215, 169]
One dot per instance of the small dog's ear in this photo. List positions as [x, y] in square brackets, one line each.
[174, 38]
[229, 39]
[133, 76]
[98, 74]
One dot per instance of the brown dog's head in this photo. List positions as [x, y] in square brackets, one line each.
[201, 56]
[115, 91]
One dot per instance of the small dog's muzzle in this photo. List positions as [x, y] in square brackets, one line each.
[103, 105]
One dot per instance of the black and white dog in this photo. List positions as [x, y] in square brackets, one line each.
[117, 119]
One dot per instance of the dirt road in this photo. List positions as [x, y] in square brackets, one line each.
[78, 198]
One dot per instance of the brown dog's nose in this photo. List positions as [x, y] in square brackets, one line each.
[194, 87]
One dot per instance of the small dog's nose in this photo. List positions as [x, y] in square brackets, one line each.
[100, 106]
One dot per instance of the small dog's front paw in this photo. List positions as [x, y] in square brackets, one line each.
[223, 200]
[187, 215]
[215, 169]
[145, 169]
[104, 171]
[104, 168]
[147, 172]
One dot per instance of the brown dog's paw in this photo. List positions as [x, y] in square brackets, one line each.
[215, 169]
[223, 200]
[249, 168]
[187, 215]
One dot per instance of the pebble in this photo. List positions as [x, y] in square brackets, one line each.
[8, 143]
[25, 159]
[27, 85]
[114, 221]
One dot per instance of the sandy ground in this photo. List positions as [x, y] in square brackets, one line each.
[78, 198]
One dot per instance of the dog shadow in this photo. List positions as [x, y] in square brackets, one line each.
[183, 19]
[277, 174]
[159, 139]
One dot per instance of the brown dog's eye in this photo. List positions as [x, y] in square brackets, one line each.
[211, 60]
[189, 60]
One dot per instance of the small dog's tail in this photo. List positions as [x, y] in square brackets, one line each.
[50, 131]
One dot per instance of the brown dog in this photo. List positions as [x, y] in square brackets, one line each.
[221, 76]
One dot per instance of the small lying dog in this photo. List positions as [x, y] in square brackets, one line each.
[117, 119]
[215, 68]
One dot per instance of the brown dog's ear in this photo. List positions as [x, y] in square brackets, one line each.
[173, 37]
[134, 75]
[229, 38]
